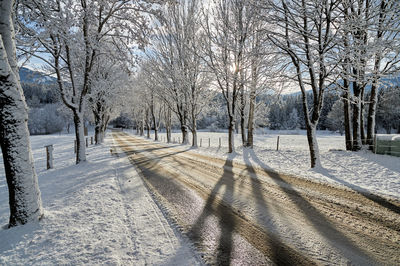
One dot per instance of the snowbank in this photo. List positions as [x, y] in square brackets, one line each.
[98, 212]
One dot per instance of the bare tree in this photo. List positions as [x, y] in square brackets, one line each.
[24, 195]
[47, 27]
[174, 64]
[305, 32]
[368, 52]
[355, 28]
[263, 68]
[108, 87]
[226, 31]
[386, 55]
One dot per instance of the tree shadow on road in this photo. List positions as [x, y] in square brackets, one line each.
[319, 221]
[225, 216]
[277, 251]
[373, 197]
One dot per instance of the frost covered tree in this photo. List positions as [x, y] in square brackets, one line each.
[336, 117]
[226, 25]
[146, 87]
[108, 87]
[45, 120]
[175, 64]
[368, 50]
[306, 32]
[385, 45]
[388, 111]
[293, 120]
[74, 32]
[263, 70]
[356, 16]
[24, 195]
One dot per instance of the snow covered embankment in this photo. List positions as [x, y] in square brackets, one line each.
[98, 212]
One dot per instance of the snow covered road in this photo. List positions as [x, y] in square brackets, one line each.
[243, 214]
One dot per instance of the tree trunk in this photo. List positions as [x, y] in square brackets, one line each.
[104, 127]
[347, 116]
[168, 131]
[243, 116]
[155, 129]
[243, 128]
[231, 134]
[357, 144]
[311, 127]
[250, 132]
[184, 129]
[142, 127]
[168, 135]
[147, 121]
[148, 130]
[194, 127]
[98, 126]
[23, 189]
[168, 126]
[371, 124]
[97, 135]
[252, 97]
[313, 145]
[168, 122]
[362, 120]
[80, 138]
[194, 134]
[184, 134]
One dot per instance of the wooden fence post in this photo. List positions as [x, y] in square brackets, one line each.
[91, 140]
[87, 142]
[49, 156]
[201, 141]
[277, 143]
[75, 147]
[219, 142]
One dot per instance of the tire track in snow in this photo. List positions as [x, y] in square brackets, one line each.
[157, 243]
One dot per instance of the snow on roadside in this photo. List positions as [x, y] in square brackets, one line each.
[361, 171]
[98, 212]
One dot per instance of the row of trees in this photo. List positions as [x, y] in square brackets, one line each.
[197, 51]
[88, 45]
[285, 113]
[244, 48]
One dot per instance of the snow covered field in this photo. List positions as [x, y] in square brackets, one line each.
[362, 171]
[98, 212]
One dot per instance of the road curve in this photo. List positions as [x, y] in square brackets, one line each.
[238, 214]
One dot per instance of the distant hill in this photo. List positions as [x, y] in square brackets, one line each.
[35, 77]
